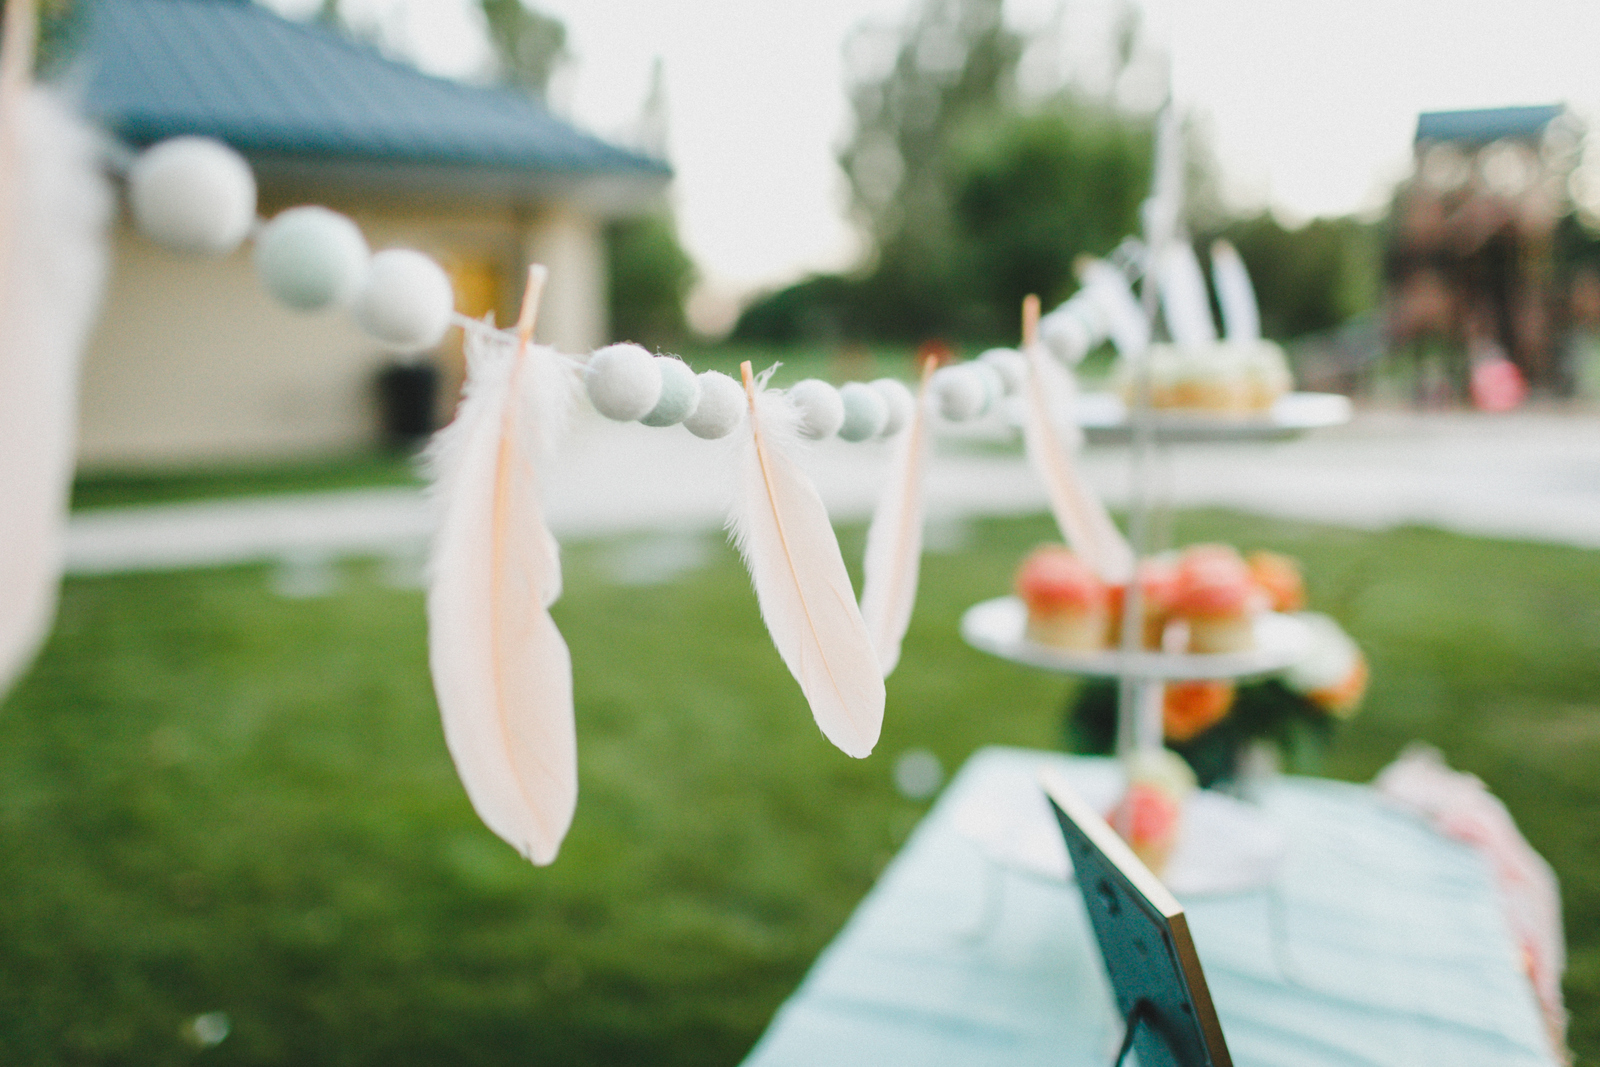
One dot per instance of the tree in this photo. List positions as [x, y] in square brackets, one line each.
[1308, 279]
[528, 44]
[650, 278]
[971, 196]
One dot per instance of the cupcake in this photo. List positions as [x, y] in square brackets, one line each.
[1158, 578]
[1150, 815]
[1216, 595]
[1279, 578]
[1067, 602]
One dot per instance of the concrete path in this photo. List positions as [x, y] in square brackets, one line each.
[1526, 476]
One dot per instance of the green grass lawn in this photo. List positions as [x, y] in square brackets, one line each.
[213, 799]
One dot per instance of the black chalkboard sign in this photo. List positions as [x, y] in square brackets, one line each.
[1144, 941]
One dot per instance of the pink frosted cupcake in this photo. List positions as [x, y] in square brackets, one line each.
[1217, 596]
[1158, 582]
[1067, 601]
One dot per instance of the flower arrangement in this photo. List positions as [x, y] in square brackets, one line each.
[1213, 723]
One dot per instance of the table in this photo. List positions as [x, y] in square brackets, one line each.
[1382, 943]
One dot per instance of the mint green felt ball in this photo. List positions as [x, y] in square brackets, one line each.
[680, 391]
[901, 405]
[311, 258]
[865, 411]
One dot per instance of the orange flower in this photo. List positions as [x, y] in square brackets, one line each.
[1341, 699]
[1279, 577]
[1191, 708]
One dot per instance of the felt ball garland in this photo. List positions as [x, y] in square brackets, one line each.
[197, 194]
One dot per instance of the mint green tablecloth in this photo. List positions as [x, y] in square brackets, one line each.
[1390, 949]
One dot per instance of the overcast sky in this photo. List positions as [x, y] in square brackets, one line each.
[1310, 107]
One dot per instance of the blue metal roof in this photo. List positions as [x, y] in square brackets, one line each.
[269, 86]
[1486, 124]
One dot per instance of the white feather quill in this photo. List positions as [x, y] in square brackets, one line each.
[1052, 447]
[1108, 290]
[1241, 318]
[55, 204]
[1183, 296]
[501, 670]
[893, 558]
[781, 529]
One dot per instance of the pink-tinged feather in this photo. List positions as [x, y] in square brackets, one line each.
[55, 204]
[1052, 449]
[781, 529]
[893, 560]
[501, 669]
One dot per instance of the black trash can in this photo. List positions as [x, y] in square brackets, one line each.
[407, 394]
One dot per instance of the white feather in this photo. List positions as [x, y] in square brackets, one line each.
[781, 528]
[893, 558]
[1108, 289]
[1240, 316]
[500, 667]
[55, 204]
[1052, 448]
[1183, 296]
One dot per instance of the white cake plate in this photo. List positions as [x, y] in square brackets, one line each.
[1224, 845]
[1104, 417]
[999, 627]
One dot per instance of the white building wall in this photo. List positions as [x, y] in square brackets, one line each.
[192, 363]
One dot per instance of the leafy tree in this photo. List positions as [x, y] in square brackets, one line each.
[1308, 279]
[971, 197]
[529, 45]
[650, 277]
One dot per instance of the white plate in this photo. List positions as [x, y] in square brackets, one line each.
[1224, 845]
[1105, 418]
[1000, 626]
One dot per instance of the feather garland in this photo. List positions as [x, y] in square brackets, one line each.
[1079, 513]
[500, 667]
[893, 558]
[55, 204]
[781, 529]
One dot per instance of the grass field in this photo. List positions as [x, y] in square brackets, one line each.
[214, 799]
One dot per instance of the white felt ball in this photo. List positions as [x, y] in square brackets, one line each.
[821, 410]
[310, 258]
[721, 407]
[961, 392]
[993, 382]
[680, 391]
[624, 382]
[194, 194]
[1011, 365]
[865, 411]
[899, 401]
[405, 300]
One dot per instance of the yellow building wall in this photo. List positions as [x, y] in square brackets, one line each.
[193, 363]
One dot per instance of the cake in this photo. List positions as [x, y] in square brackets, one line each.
[1158, 577]
[1216, 595]
[1150, 814]
[1066, 600]
[1230, 378]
